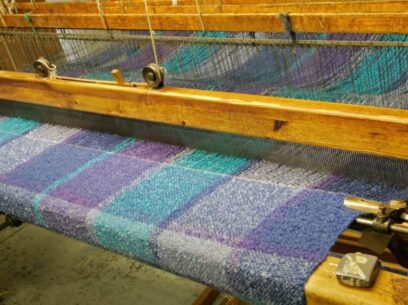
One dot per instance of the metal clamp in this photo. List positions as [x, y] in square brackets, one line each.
[385, 218]
[44, 69]
[388, 226]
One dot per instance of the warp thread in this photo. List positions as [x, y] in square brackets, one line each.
[2, 12]
[156, 59]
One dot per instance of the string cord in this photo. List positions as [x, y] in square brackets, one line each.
[2, 12]
[200, 15]
[151, 33]
[102, 14]
[27, 17]
[2, 8]
[10, 5]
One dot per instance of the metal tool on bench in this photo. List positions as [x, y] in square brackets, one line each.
[358, 269]
[386, 227]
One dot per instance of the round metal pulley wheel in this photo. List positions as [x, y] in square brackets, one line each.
[44, 68]
[153, 76]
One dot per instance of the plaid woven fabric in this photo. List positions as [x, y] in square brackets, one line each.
[252, 228]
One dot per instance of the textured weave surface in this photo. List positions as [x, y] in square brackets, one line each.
[253, 228]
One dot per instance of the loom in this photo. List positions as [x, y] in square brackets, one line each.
[246, 145]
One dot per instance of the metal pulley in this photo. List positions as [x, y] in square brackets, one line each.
[44, 69]
[153, 75]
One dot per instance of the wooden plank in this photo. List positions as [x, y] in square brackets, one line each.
[167, 3]
[319, 7]
[230, 301]
[365, 129]
[323, 288]
[207, 297]
[312, 23]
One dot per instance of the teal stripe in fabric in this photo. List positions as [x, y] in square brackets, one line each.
[13, 127]
[212, 162]
[154, 199]
[100, 76]
[40, 196]
[367, 77]
[129, 237]
[186, 59]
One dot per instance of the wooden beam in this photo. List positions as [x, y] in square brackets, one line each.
[207, 297]
[386, 23]
[373, 130]
[230, 301]
[323, 288]
[167, 3]
[383, 6]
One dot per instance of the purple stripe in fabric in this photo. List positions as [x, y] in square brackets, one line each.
[108, 177]
[153, 151]
[280, 211]
[95, 140]
[39, 172]
[101, 180]
[59, 216]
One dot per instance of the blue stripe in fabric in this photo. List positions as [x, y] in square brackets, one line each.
[150, 202]
[40, 196]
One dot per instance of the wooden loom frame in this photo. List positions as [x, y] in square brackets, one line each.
[378, 131]
[374, 16]
[357, 128]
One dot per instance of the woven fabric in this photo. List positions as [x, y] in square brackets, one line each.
[255, 229]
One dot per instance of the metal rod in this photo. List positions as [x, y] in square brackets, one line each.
[209, 40]
[394, 227]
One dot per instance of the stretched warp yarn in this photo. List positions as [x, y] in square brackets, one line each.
[255, 229]
[347, 73]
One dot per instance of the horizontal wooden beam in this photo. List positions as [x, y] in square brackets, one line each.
[384, 23]
[364, 129]
[323, 288]
[156, 3]
[383, 6]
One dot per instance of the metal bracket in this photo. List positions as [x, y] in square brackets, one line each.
[278, 125]
[388, 226]
[385, 218]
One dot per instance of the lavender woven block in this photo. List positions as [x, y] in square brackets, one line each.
[101, 180]
[152, 151]
[42, 170]
[231, 210]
